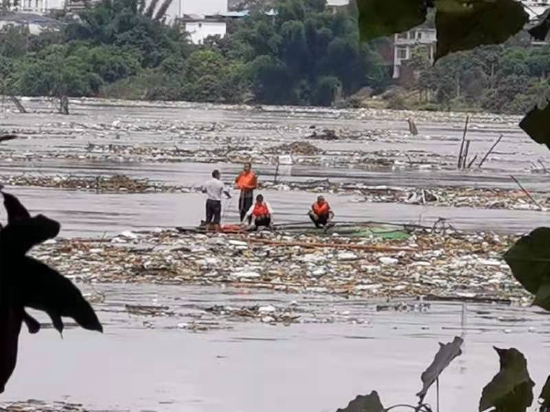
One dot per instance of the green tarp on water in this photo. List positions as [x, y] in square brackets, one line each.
[384, 231]
[379, 230]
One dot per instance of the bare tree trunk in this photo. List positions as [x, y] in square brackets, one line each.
[63, 105]
[151, 9]
[18, 104]
[162, 9]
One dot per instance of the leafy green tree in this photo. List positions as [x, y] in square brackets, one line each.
[271, 81]
[326, 90]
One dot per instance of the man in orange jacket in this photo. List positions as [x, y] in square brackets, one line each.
[247, 181]
[321, 214]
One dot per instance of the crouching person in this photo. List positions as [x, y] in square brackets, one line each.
[321, 214]
[261, 213]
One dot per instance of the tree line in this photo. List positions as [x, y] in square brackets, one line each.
[305, 54]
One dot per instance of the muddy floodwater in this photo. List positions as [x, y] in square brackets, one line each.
[52, 144]
[194, 359]
[342, 347]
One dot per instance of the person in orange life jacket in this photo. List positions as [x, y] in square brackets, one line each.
[247, 181]
[321, 214]
[261, 212]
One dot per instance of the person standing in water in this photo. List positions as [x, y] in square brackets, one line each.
[214, 188]
[247, 182]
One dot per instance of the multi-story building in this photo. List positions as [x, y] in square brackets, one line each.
[404, 45]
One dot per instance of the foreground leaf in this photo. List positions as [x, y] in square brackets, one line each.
[43, 288]
[537, 125]
[545, 396]
[23, 230]
[447, 352]
[466, 24]
[10, 327]
[511, 390]
[15, 209]
[26, 281]
[381, 18]
[26, 234]
[529, 260]
[367, 403]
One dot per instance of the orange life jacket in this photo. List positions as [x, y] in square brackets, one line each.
[247, 181]
[321, 209]
[260, 209]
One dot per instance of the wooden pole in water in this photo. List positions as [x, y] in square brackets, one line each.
[463, 140]
[527, 193]
[466, 152]
[472, 162]
[490, 151]
[276, 170]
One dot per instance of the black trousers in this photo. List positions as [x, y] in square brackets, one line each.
[245, 202]
[213, 211]
[319, 220]
[262, 221]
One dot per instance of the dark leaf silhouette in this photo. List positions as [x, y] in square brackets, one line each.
[511, 390]
[25, 281]
[25, 234]
[545, 397]
[540, 31]
[45, 289]
[447, 352]
[26, 231]
[466, 24]
[10, 326]
[32, 324]
[537, 125]
[14, 208]
[529, 260]
[367, 403]
[380, 18]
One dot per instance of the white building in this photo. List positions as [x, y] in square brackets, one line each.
[179, 9]
[35, 6]
[34, 23]
[200, 27]
[405, 43]
[535, 8]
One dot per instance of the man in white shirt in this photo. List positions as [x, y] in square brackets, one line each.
[261, 212]
[214, 188]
